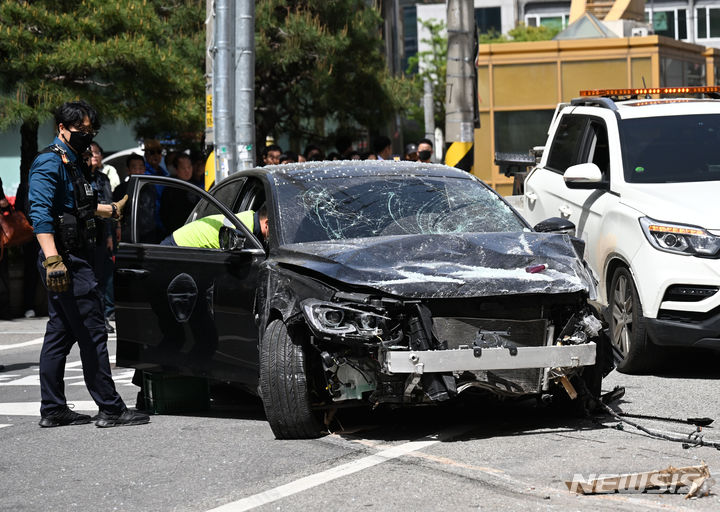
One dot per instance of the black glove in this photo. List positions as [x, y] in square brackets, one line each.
[57, 274]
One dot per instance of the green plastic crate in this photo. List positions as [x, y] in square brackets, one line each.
[171, 394]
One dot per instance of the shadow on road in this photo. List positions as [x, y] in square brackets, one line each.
[690, 364]
[9, 368]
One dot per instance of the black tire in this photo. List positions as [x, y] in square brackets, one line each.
[284, 387]
[630, 343]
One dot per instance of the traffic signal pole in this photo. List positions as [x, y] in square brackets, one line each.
[233, 86]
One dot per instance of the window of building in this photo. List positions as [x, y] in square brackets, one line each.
[708, 22]
[410, 36]
[669, 23]
[488, 19]
[550, 20]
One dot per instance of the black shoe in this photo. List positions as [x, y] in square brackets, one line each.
[127, 417]
[109, 328]
[64, 417]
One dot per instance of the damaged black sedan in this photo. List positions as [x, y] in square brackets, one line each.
[379, 283]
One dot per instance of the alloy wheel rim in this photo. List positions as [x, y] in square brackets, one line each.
[622, 315]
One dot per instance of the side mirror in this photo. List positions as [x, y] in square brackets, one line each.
[231, 239]
[584, 176]
[556, 225]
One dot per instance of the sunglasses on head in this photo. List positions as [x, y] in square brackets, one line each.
[153, 151]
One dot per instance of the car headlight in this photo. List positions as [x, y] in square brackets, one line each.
[680, 238]
[339, 319]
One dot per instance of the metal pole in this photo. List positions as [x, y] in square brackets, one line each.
[223, 88]
[429, 106]
[459, 93]
[245, 84]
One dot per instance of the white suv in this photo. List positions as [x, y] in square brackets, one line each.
[640, 179]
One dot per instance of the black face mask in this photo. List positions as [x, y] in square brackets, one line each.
[80, 141]
[424, 155]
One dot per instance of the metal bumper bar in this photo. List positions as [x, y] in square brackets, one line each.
[556, 356]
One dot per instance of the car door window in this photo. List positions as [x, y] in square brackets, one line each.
[567, 144]
[163, 211]
[598, 151]
[226, 193]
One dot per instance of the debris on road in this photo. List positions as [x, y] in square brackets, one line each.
[696, 477]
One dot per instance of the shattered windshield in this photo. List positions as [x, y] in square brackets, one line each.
[371, 206]
[671, 149]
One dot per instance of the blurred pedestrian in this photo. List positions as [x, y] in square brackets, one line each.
[271, 154]
[154, 159]
[411, 154]
[176, 203]
[107, 170]
[63, 212]
[382, 147]
[313, 153]
[30, 253]
[425, 150]
[147, 228]
[289, 157]
[4, 267]
[368, 155]
[103, 264]
[198, 169]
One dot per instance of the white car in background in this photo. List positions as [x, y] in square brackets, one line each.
[640, 179]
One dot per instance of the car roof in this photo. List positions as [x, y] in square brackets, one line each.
[308, 171]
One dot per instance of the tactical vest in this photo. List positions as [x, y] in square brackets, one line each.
[76, 231]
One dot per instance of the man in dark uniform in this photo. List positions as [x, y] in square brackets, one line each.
[64, 212]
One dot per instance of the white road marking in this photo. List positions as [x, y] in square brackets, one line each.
[323, 477]
[36, 341]
[33, 408]
[5, 425]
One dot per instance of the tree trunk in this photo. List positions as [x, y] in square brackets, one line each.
[28, 152]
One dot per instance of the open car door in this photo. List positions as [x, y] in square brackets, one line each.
[185, 309]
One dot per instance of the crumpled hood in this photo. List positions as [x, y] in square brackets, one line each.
[448, 265]
[694, 203]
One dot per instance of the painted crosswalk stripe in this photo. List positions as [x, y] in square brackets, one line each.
[5, 425]
[33, 408]
[323, 477]
[36, 341]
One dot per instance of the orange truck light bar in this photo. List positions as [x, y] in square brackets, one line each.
[655, 90]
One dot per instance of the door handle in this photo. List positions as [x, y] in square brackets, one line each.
[132, 272]
[565, 210]
[531, 196]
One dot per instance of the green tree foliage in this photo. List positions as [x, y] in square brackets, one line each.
[520, 33]
[431, 65]
[318, 61]
[136, 60]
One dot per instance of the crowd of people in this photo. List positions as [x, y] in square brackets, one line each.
[420, 151]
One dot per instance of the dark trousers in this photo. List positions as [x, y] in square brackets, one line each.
[76, 315]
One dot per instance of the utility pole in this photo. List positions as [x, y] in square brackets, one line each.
[223, 89]
[245, 83]
[232, 102]
[459, 95]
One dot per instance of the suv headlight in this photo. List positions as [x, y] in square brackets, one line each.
[680, 238]
[340, 319]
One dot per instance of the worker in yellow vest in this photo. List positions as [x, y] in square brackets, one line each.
[205, 232]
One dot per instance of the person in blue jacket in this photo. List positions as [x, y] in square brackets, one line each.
[65, 215]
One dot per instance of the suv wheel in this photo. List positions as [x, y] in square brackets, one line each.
[284, 386]
[627, 325]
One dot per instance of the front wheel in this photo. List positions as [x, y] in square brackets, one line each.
[284, 386]
[627, 325]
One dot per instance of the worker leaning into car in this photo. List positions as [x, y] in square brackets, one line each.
[205, 232]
